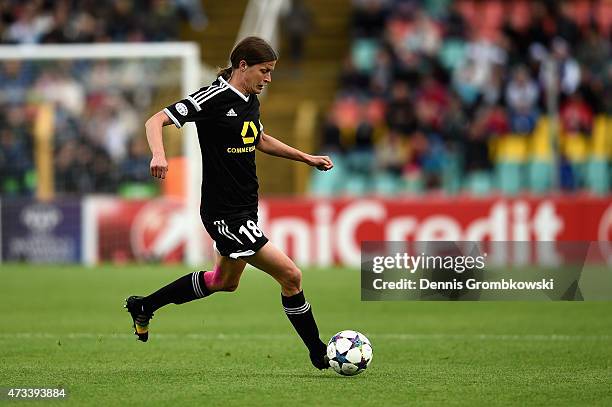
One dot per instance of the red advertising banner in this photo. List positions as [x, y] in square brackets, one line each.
[151, 230]
[325, 232]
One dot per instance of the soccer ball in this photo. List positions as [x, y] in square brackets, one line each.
[349, 352]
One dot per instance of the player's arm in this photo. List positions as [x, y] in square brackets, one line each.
[277, 148]
[153, 128]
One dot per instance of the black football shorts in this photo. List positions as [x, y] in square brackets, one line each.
[237, 236]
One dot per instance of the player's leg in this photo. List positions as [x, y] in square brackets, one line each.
[277, 264]
[225, 276]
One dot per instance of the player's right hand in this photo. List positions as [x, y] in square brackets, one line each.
[321, 162]
[159, 167]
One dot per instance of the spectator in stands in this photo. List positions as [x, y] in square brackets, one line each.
[400, 112]
[465, 83]
[331, 143]
[576, 115]
[425, 36]
[15, 162]
[434, 95]
[493, 89]
[104, 171]
[454, 22]
[54, 85]
[163, 22]
[382, 73]
[58, 32]
[566, 26]
[65, 157]
[351, 80]
[489, 122]
[136, 167]
[569, 70]
[485, 57]
[18, 119]
[522, 92]
[85, 28]
[360, 157]
[454, 123]
[30, 25]
[369, 17]
[594, 51]
[296, 25]
[194, 12]
[392, 154]
[15, 79]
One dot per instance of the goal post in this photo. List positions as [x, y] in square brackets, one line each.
[190, 80]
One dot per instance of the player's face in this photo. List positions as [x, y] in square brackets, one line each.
[258, 76]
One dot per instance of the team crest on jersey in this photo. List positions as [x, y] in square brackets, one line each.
[246, 139]
[181, 108]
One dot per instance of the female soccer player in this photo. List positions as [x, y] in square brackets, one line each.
[226, 115]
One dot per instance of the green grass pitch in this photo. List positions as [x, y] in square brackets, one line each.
[64, 326]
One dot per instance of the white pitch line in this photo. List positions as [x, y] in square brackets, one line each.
[401, 337]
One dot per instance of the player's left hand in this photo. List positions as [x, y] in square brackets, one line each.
[322, 162]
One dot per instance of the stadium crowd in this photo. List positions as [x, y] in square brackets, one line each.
[435, 94]
[98, 105]
[454, 95]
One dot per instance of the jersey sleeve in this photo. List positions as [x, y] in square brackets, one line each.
[258, 138]
[182, 112]
[190, 108]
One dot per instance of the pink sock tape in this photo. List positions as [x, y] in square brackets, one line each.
[212, 279]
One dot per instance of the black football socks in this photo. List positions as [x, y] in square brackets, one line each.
[300, 314]
[187, 288]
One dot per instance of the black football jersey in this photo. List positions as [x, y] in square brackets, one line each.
[228, 128]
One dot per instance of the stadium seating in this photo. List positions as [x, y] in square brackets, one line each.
[473, 51]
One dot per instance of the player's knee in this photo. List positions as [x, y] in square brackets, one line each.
[292, 280]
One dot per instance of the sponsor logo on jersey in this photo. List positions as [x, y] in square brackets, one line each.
[245, 132]
[231, 113]
[240, 150]
[181, 108]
